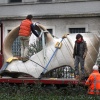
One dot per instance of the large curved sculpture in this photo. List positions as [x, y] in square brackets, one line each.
[35, 65]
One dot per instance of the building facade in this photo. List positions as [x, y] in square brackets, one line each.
[60, 16]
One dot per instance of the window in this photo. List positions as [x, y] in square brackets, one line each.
[44, 0]
[77, 30]
[14, 1]
[51, 31]
[39, 44]
[16, 47]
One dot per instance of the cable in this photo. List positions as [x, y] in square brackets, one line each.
[37, 64]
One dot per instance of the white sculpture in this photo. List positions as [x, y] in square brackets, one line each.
[63, 56]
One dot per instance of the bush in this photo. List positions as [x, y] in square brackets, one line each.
[45, 92]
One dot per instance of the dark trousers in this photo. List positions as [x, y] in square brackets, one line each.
[79, 61]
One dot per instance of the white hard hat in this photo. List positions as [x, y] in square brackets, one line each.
[95, 67]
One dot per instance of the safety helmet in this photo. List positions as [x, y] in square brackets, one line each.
[95, 67]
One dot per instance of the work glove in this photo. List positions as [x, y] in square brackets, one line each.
[36, 23]
[39, 37]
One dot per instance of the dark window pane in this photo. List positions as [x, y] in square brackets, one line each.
[44, 0]
[50, 30]
[16, 47]
[77, 30]
[14, 1]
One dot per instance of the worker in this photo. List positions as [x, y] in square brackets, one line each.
[99, 68]
[26, 27]
[93, 82]
[79, 54]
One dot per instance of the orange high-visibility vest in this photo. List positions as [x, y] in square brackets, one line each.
[25, 28]
[93, 83]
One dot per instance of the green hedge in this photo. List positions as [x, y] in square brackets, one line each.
[38, 92]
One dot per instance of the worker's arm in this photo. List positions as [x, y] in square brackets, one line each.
[86, 49]
[87, 83]
[89, 80]
[33, 30]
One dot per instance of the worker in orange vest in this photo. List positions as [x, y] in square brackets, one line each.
[93, 82]
[26, 28]
[99, 68]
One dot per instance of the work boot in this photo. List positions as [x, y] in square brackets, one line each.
[77, 77]
[83, 78]
[24, 59]
[20, 58]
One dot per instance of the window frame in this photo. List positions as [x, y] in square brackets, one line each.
[53, 29]
[77, 30]
[77, 26]
[7, 30]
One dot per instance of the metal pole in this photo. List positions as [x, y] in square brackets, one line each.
[44, 50]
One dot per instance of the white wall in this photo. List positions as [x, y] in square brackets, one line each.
[60, 26]
[54, 9]
[3, 1]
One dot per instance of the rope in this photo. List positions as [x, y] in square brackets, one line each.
[38, 64]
